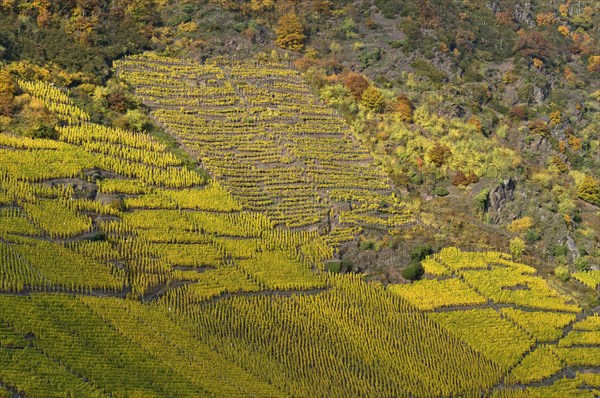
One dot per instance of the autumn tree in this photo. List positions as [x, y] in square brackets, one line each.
[372, 99]
[589, 190]
[475, 123]
[290, 33]
[520, 224]
[538, 126]
[439, 154]
[356, 83]
[8, 87]
[594, 64]
[117, 101]
[534, 44]
[545, 19]
[404, 108]
[465, 39]
[516, 246]
[460, 178]
[518, 112]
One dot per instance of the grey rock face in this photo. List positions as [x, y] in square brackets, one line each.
[573, 250]
[499, 197]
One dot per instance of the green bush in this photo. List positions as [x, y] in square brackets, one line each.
[532, 236]
[416, 179]
[367, 245]
[582, 264]
[334, 266]
[562, 273]
[420, 252]
[413, 272]
[559, 250]
[440, 191]
[369, 58]
[425, 68]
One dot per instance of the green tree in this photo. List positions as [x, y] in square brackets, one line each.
[413, 272]
[137, 120]
[562, 273]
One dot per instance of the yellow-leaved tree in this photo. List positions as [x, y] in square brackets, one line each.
[372, 99]
[290, 33]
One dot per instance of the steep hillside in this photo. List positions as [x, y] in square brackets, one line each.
[299, 198]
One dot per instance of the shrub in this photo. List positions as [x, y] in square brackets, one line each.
[559, 250]
[520, 224]
[413, 272]
[416, 179]
[420, 252]
[440, 191]
[425, 68]
[582, 264]
[367, 245]
[532, 236]
[334, 266]
[562, 273]
[369, 58]
[516, 246]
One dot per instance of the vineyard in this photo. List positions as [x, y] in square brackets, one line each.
[123, 273]
[258, 128]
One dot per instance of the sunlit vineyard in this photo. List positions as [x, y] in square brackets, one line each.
[125, 274]
[260, 130]
[506, 311]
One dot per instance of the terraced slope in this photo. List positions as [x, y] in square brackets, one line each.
[258, 128]
[114, 256]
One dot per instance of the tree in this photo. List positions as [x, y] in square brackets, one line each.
[439, 154]
[290, 33]
[420, 252]
[562, 273]
[516, 246]
[372, 99]
[8, 87]
[404, 108]
[589, 190]
[594, 64]
[520, 224]
[413, 272]
[534, 44]
[356, 83]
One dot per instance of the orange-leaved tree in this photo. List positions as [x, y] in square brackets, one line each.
[290, 33]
